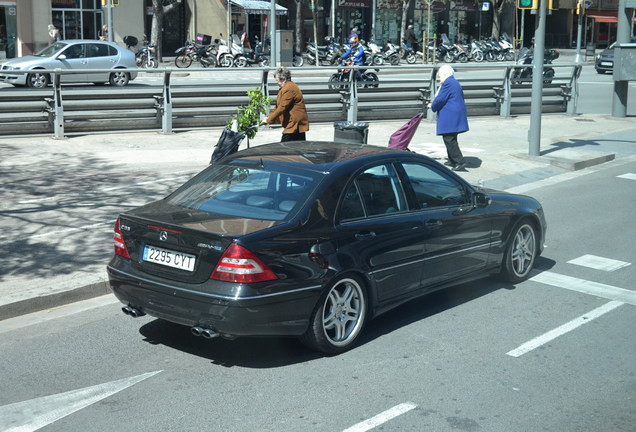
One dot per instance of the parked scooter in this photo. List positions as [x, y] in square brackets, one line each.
[391, 54]
[327, 54]
[246, 56]
[526, 57]
[372, 53]
[145, 56]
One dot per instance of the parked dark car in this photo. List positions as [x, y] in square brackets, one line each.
[605, 60]
[313, 239]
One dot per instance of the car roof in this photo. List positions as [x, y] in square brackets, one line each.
[321, 156]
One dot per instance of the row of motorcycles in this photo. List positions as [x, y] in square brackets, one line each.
[330, 53]
[221, 54]
[489, 49]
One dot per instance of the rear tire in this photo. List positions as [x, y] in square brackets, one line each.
[338, 318]
[240, 62]
[372, 80]
[411, 59]
[182, 61]
[520, 253]
[119, 78]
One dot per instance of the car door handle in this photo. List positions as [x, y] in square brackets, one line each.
[434, 223]
[365, 235]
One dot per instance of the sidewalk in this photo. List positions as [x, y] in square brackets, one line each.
[45, 182]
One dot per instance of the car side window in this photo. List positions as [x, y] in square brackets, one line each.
[432, 188]
[376, 191]
[97, 50]
[74, 51]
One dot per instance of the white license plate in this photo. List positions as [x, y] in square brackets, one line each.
[607, 64]
[169, 258]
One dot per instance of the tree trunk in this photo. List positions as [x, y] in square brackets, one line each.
[405, 10]
[300, 41]
[159, 11]
[313, 17]
[497, 8]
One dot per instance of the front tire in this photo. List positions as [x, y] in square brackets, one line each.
[182, 61]
[335, 83]
[520, 254]
[411, 59]
[119, 78]
[37, 80]
[297, 61]
[226, 60]
[339, 317]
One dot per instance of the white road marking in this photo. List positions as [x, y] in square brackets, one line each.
[565, 328]
[527, 187]
[628, 176]
[39, 317]
[599, 263]
[34, 414]
[382, 418]
[586, 287]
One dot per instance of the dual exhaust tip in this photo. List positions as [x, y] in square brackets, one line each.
[133, 312]
[197, 331]
[206, 333]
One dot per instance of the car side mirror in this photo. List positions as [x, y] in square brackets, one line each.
[61, 57]
[481, 200]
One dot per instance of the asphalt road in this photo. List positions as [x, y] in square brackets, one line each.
[484, 356]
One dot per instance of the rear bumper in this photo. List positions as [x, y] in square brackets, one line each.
[281, 314]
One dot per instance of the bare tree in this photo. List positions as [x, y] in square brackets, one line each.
[298, 31]
[160, 8]
[405, 10]
[497, 8]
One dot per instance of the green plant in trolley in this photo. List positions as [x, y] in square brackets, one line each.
[248, 116]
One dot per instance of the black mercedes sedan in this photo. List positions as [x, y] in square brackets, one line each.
[313, 239]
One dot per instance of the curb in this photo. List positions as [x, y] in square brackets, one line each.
[40, 303]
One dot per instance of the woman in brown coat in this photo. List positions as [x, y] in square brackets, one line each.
[290, 108]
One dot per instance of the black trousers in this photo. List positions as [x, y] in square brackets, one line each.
[296, 136]
[455, 155]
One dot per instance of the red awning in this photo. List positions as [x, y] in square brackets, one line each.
[603, 16]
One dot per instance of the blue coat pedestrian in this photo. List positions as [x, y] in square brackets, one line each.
[451, 115]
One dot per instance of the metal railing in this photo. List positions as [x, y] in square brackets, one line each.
[197, 102]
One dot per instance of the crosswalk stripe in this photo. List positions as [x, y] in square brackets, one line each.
[599, 263]
[586, 287]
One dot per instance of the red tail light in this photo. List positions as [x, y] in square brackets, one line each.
[120, 245]
[240, 265]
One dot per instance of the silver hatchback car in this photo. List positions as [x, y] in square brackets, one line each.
[70, 55]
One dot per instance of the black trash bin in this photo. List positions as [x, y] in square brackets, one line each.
[350, 132]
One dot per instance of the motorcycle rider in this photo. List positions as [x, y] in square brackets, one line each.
[356, 51]
[411, 39]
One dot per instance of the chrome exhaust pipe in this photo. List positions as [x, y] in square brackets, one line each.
[209, 334]
[133, 312]
[196, 331]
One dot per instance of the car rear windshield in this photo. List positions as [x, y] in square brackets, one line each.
[246, 192]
